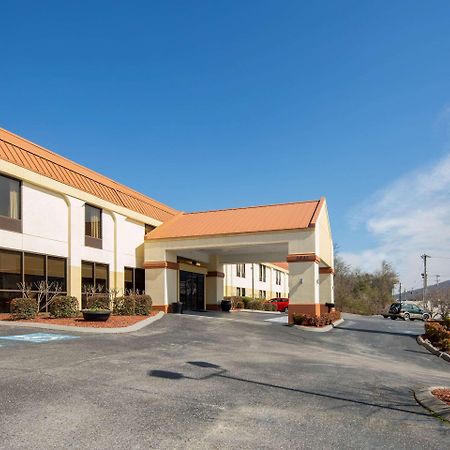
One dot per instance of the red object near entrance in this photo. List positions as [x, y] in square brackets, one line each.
[281, 303]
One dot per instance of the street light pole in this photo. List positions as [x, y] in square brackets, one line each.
[425, 277]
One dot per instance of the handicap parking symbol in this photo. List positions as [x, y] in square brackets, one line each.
[39, 338]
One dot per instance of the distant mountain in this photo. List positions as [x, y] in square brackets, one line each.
[416, 294]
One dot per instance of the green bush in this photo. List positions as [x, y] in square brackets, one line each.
[24, 308]
[98, 301]
[132, 305]
[143, 304]
[63, 306]
[269, 307]
[236, 302]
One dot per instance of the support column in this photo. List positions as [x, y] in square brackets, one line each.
[214, 284]
[303, 284]
[161, 282]
[119, 250]
[76, 242]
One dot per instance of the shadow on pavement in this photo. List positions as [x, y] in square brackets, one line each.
[222, 373]
[394, 333]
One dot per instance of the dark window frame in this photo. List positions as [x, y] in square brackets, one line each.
[133, 269]
[89, 240]
[22, 254]
[9, 223]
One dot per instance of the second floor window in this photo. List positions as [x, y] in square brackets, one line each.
[262, 272]
[10, 204]
[240, 270]
[93, 222]
[277, 277]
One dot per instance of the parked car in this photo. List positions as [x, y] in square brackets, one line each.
[407, 311]
[281, 303]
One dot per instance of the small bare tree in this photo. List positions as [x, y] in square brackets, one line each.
[440, 302]
[26, 289]
[46, 293]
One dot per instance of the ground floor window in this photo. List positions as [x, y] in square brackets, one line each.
[94, 279]
[240, 292]
[262, 294]
[134, 280]
[278, 294]
[41, 276]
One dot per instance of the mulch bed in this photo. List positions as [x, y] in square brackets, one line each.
[442, 394]
[112, 322]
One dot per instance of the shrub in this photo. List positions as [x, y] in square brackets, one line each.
[269, 307]
[63, 306]
[316, 321]
[143, 304]
[131, 305]
[255, 304]
[98, 301]
[24, 308]
[236, 302]
[438, 334]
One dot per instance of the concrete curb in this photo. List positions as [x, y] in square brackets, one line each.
[437, 407]
[255, 311]
[134, 327]
[320, 329]
[432, 349]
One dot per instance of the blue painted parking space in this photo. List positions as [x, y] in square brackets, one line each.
[38, 338]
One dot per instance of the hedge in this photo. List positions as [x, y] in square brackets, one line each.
[132, 305]
[260, 304]
[63, 306]
[24, 308]
[315, 320]
[98, 301]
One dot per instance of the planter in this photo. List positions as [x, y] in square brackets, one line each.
[225, 305]
[176, 308]
[102, 315]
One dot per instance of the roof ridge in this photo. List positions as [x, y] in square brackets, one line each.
[85, 171]
[250, 207]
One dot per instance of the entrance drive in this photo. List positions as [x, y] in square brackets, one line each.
[192, 290]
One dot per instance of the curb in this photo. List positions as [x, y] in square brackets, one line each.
[134, 327]
[437, 407]
[320, 329]
[256, 311]
[432, 349]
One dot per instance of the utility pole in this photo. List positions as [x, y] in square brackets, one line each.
[425, 277]
[437, 280]
[400, 291]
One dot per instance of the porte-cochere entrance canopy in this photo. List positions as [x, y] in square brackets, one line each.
[203, 242]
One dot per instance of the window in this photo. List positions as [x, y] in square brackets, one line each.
[240, 270]
[134, 280]
[262, 272]
[243, 292]
[94, 276]
[277, 277]
[240, 292]
[278, 294]
[262, 294]
[10, 204]
[93, 226]
[17, 268]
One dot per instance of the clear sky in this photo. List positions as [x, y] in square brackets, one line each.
[214, 104]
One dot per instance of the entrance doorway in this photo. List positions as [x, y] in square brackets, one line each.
[192, 290]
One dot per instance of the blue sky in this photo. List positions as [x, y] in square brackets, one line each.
[206, 105]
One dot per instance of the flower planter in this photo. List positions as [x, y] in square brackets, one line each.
[101, 315]
[225, 305]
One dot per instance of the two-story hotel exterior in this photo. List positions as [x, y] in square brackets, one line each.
[64, 223]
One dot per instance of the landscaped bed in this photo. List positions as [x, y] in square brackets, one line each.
[112, 322]
[442, 394]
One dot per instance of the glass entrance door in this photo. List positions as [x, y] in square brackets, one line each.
[192, 290]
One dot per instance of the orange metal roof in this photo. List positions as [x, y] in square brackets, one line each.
[287, 216]
[24, 153]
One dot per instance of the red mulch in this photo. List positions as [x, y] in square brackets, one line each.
[442, 394]
[112, 322]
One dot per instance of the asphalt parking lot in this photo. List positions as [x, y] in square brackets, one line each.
[221, 381]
